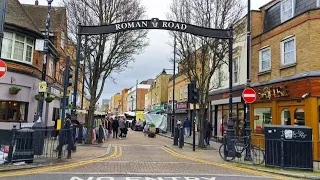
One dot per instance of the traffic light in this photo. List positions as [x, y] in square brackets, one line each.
[193, 93]
[69, 75]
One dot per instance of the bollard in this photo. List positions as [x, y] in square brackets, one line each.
[181, 138]
[225, 145]
[70, 144]
[282, 152]
[176, 136]
[101, 135]
[80, 133]
[74, 132]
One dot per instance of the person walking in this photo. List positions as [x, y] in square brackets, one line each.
[115, 126]
[208, 129]
[122, 126]
[65, 137]
[187, 127]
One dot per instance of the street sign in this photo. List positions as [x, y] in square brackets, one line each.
[43, 86]
[249, 95]
[3, 68]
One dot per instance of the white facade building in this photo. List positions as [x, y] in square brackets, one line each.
[132, 96]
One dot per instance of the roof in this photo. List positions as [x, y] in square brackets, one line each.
[39, 13]
[16, 15]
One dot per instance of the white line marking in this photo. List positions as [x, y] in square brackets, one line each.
[249, 95]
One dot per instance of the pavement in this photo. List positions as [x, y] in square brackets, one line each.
[137, 158]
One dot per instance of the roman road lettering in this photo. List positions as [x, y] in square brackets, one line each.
[131, 25]
[174, 25]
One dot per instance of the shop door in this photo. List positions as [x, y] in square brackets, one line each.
[293, 115]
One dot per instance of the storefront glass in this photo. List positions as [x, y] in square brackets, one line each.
[13, 111]
[299, 117]
[285, 117]
[262, 116]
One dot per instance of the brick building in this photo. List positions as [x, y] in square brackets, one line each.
[285, 66]
[24, 24]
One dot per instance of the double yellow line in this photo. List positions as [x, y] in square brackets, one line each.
[116, 153]
[259, 173]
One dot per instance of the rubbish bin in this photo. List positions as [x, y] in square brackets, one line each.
[39, 136]
[24, 146]
[288, 147]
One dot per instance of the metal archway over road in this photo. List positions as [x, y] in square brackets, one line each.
[155, 23]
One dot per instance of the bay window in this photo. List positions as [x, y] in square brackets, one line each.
[17, 47]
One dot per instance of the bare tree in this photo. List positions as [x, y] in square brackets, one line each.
[109, 53]
[200, 56]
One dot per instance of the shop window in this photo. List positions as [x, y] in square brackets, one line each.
[285, 117]
[299, 117]
[13, 111]
[262, 116]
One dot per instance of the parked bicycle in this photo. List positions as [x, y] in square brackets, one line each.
[236, 149]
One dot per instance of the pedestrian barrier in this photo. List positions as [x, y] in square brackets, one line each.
[33, 145]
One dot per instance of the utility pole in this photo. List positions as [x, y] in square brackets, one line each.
[46, 54]
[247, 127]
[173, 86]
[2, 21]
[65, 89]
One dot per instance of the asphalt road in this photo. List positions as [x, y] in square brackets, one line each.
[144, 159]
[133, 177]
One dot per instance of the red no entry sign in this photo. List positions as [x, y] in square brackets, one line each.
[249, 95]
[3, 68]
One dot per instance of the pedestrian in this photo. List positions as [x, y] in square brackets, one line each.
[208, 129]
[187, 127]
[122, 126]
[115, 126]
[179, 123]
[65, 137]
[146, 129]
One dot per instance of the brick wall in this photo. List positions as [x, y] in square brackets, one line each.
[141, 99]
[306, 30]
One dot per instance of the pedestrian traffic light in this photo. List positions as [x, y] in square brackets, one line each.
[70, 75]
[193, 93]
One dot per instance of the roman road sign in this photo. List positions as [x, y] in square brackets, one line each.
[249, 95]
[3, 68]
[155, 23]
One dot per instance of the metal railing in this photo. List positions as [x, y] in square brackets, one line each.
[34, 145]
[278, 153]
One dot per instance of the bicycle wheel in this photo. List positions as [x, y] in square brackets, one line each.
[221, 152]
[257, 155]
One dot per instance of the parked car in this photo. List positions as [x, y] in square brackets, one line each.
[138, 126]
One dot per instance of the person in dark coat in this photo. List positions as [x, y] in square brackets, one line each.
[115, 126]
[65, 137]
[208, 129]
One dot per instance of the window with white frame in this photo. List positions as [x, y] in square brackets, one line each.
[265, 59]
[287, 9]
[235, 69]
[181, 92]
[288, 51]
[51, 67]
[17, 47]
[62, 40]
[186, 92]
[318, 3]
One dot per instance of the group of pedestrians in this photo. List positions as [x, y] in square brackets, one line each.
[119, 124]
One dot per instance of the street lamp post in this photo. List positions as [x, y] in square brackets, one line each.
[247, 127]
[173, 86]
[46, 54]
[2, 20]
[132, 103]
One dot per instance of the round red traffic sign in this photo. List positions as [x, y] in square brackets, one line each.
[249, 95]
[3, 68]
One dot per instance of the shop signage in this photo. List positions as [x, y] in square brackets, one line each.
[182, 106]
[3, 68]
[43, 86]
[273, 92]
[54, 91]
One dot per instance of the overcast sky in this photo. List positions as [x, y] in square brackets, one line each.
[154, 58]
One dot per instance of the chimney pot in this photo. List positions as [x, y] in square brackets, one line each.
[36, 2]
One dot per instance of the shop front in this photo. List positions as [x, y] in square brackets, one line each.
[295, 102]
[219, 111]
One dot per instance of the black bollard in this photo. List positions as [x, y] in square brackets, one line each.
[80, 133]
[101, 135]
[181, 138]
[176, 136]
